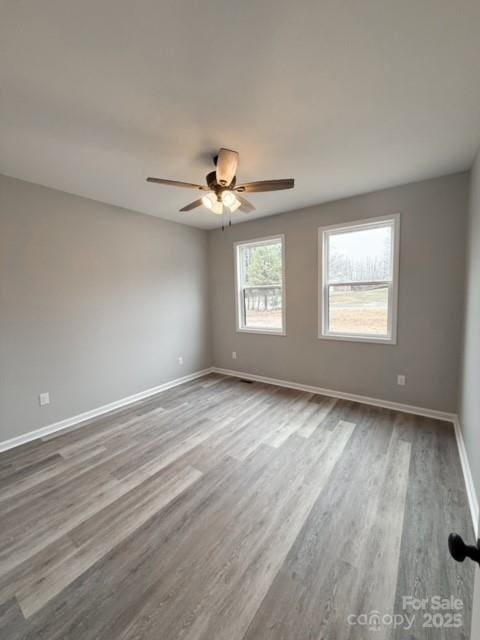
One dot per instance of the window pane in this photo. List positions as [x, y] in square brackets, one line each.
[261, 275]
[360, 255]
[263, 307]
[358, 309]
[261, 264]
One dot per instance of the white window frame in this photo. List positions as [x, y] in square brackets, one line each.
[238, 303]
[358, 225]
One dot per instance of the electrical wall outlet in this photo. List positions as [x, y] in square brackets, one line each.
[234, 355]
[44, 398]
[180, 359]
[401, 380]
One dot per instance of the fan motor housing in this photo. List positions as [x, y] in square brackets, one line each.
[211, 179]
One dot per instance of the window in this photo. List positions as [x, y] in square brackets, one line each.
[359, 280]
[260, 285]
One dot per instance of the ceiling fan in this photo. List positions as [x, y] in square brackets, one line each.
[222, 191]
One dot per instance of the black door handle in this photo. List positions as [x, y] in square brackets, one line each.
[459, 550]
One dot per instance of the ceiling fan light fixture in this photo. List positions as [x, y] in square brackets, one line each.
[217, 208]
[221, 191]
[229, 198]
[235, 205]
[209, 200]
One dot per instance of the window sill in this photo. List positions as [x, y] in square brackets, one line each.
[268, 332]
[353, 338]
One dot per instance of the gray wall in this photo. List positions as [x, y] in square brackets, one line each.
[433, 217]
[470, 380]
[96, 303]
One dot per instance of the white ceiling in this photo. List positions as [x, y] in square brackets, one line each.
[344, 96]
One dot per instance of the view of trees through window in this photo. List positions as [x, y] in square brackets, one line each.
[359, 256]
[261, 285]
[358, 281]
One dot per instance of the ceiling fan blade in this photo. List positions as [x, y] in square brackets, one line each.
[192, 205]
[227, 163]
[266, 185]
[176, 183]
[245, 205]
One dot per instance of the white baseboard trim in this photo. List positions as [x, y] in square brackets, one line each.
[467, 475]
[93, 413]
[386, 404]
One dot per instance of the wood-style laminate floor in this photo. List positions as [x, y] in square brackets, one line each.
[221, 510]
